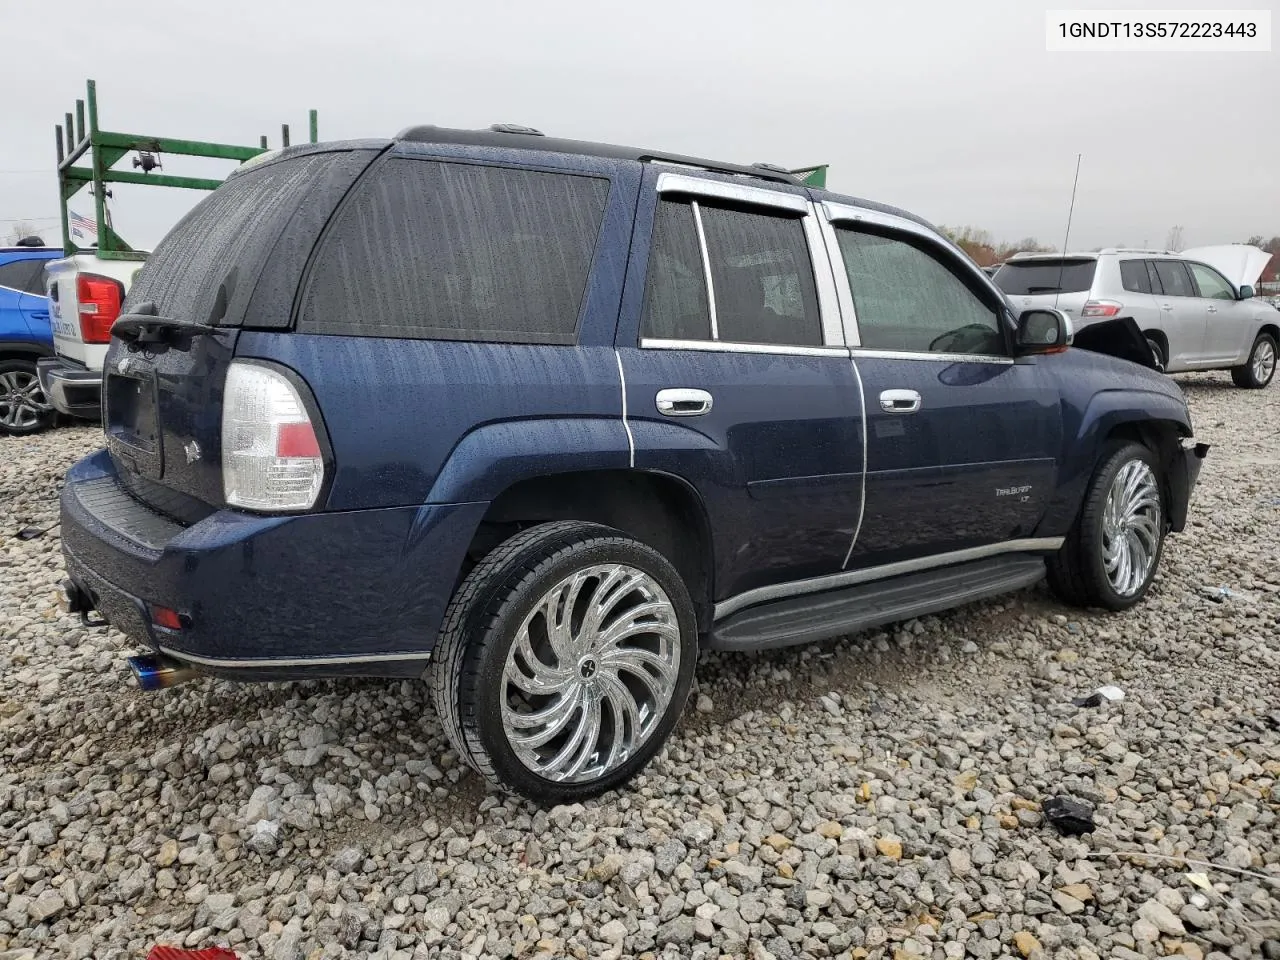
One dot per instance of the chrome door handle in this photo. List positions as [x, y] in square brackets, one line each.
[683, 402]
[899, 401]
[1166, 306]
[1211, 309]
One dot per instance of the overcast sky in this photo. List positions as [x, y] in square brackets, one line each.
[953, 110]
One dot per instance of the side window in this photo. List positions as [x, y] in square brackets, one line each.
[457, 251]
[36, 283]
[16, 274]
[1153, 277]
[1133, 275]
[906, 299]
[1210, 283]
[1174, 278]
[761, 278]
[675, 291]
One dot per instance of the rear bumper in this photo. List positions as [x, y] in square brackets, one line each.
[358, 593]
[71, 388]
[1183, 474]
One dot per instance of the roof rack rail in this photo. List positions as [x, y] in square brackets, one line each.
[1165, 253]
[523, 140]
[516, 128]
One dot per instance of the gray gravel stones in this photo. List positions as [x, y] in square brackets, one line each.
[878, 797]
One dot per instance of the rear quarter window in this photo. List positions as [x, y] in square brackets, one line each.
[1134, 276]
[206, 266]
[429, 249]
[1029, 278]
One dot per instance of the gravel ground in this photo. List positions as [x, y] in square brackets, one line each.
[875, 797]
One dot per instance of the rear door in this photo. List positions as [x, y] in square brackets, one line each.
[1229, 326]
[18, 277]
[234, 259]
[737, 378]
[962, 439]
[1184, 316]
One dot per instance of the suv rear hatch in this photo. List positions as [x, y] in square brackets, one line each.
[233, 262]
[1062, 282]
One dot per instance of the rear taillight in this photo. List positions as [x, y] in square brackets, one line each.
[271, 455]
[1101, 308]
[100, 299]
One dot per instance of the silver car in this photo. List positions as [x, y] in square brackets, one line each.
[1196, 308]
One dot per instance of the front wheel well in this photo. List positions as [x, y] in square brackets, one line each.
[657, 509]
[1162, 437]
[1270, 328]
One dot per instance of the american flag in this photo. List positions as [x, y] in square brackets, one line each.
[82, 227]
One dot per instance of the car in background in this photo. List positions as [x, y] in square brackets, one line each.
[25, 336]
[85, 293]
[1195, 308]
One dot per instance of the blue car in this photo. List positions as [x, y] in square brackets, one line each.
[539, 419]
[25, 337]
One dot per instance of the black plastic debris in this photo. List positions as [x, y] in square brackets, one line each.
[30, 533]
[1071, 816]
[1111, 694]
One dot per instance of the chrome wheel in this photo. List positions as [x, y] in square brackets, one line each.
[591, 673]
[1131, 527]
[22, 401]
[1264, 361]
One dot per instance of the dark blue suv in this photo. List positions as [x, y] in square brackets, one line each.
[538, 419]
[25, 337]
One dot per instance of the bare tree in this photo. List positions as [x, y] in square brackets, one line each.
[1174, 240]
[20, 230]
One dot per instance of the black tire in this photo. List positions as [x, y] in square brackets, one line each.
[1157, 352]
[1245, 376]
[1077, 572]
[481, 625]
[15, 418]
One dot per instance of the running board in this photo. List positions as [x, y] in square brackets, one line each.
[834, 613]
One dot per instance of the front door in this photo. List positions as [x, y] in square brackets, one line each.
[961, 438]
[736, 378]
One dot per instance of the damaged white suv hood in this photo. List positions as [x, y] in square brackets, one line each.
[1238, 262]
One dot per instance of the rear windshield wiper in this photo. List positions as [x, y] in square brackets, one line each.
[145, 326]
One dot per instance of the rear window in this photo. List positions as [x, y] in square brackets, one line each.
[454, 251]
[213, 254]
[1029, 278]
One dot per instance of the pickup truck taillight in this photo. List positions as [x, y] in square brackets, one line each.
[1101, 308]
[99, 299]
[271, 455]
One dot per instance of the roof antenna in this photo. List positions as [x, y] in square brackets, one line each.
[1062, 264]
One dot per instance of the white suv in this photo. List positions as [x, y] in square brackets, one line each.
[1196, 308]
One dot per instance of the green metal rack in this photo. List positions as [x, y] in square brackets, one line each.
[106, 148]
[813, 176]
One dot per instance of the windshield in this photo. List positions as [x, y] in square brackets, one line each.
[1033, 277]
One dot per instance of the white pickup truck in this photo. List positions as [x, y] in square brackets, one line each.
[85, 292]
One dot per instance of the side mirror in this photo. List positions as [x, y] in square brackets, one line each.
[1043, 330]
[1246, 291]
